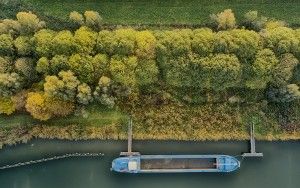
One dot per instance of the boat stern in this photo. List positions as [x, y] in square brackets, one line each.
[126, 165]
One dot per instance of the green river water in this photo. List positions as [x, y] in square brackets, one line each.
[280, 167]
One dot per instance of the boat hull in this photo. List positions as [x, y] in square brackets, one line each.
[175, 164]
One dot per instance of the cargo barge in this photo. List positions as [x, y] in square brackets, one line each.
[175, 163]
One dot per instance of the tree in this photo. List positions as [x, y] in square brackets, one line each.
[43, 65]
[29, 22]
[36, 105]
[63, 43]
[224, 20]
[93, 19]
[26, 68]
[9, 26]
[6, 44]
[202, 41]
[43, 42]
[222, 71]
[84, 94]
[19, 100]
[284, 70]
[281, 40]
[286, 94]
[63, 87]
[6, 65]
[104, 92]
[59, 63]
[261, 70]
[85, 40]
[106, 42]
[10, 83]
[146, 72]
[243, 43]
[76, 18]
[254, 22]
[82, 66]
[145, 45]
[43, 107]
[100, 64]
[123, 70]
[124, 41]
[7, 106]
[24, 45]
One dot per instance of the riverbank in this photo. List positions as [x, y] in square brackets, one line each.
[177, 122]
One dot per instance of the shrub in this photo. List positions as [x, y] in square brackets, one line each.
[224, 20]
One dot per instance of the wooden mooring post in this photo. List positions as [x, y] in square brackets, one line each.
[129, 141]
[253, 152]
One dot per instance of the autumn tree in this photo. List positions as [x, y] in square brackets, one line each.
[92, 19]
[145, 45]
[7, 106]
[76, 18]
[10, 83]
[82, 66]
[106, 42]
[100, 65]
[43, 42]
[6, 65]
[26, 68]
[84, 94]
[29, 22]
[146, 72]
[224, 20]
[202, 41]
[63, 87]
[104, 92]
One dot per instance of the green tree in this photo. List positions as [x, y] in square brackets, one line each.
[10, 83]
[222, 71]
[24, 45]
[63, 43]
[106, 42]
[145, 45]
[100, 64]
[262, 69]
[85, 40]
[43, 42]
[82, 66]
[43, 65]
[202, 41]
[285, 94]
[63, 87]
[125, 40]
[254, 22]
[281, 40]
[146, 72]
[123, 70]
[6, 44]
[84, 94]
[59, 63]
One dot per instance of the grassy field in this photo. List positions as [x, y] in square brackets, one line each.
[168, 11]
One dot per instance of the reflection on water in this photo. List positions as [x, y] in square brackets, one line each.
[278, 169]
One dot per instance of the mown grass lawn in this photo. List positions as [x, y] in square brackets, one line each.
[168, 11]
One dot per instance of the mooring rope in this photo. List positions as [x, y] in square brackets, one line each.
[68, 155]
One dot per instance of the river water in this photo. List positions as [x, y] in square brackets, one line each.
[280, 167]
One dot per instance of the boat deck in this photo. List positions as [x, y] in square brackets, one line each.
[178, 163]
